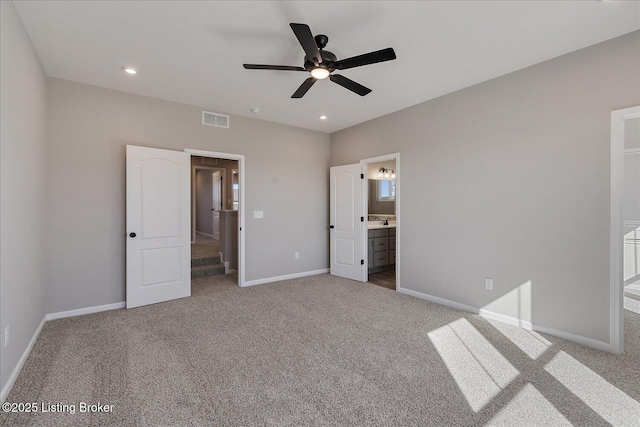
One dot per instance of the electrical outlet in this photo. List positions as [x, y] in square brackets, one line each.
[297, 255]
[488, 284]
[6, 336]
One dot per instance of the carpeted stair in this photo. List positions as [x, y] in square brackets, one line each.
[206, 266]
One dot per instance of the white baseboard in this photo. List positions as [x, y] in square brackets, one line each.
[52, 316]
[285, 277]
[524, 324]
[439, 300]
[578, 339]
[16, 371]
[87, 310]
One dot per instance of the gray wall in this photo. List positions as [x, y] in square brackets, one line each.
[22, 188]
[204, 201]
[287, 173]
[509, 179]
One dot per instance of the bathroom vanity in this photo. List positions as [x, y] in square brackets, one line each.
[381, 250]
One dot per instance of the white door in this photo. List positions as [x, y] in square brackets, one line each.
[158, 220]
[217, 203]
[346, 228]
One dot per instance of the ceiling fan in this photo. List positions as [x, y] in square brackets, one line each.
[322, 63]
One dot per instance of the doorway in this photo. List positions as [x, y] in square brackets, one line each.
[208, 193]
[217, 214]
[349, 219]
[625, 221]
[380, 204]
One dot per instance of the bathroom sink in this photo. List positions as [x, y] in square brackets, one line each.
[372, 225]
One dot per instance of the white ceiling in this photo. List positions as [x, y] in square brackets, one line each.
[192, 52]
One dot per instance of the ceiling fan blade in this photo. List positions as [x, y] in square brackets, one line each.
[272, 67]
[303, 33]
[368, 58]
[349, 84]
[304, 87]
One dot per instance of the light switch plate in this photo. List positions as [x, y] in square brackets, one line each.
[258, 214]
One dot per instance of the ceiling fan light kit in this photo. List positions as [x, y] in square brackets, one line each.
[320, 73]
[322, 63]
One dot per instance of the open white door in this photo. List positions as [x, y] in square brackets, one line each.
[158, 235]
[345, 222]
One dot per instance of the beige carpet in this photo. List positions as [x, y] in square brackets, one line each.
[204, 247]
[319, 351]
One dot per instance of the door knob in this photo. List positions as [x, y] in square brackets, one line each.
[132, 234]
[331, 226]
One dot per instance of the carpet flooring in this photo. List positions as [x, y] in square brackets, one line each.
[320, 351]
[204, 247]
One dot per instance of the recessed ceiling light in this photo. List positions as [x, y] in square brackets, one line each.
[130, 70]
[323, 117]
[255, 110]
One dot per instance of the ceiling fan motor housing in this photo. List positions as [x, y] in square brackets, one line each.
[328, 58]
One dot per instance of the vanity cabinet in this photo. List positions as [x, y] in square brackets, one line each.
[381, 249]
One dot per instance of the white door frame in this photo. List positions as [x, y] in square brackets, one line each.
[365, 210]
[194, 204]
[616, 299]
[241, 208]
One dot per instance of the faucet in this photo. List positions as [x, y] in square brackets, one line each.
[377, 218]
[386, 221]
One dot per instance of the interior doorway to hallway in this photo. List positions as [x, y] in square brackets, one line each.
[217, 240]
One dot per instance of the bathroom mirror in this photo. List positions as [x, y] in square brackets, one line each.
[382, 197]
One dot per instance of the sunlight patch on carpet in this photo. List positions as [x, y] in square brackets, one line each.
[632, 305]
[530, 407]
[530, 342]
[609, 402]
[479, 370]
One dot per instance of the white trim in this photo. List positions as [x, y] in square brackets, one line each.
[578, 339]
[524, 324]
[631, 151]
[86, 310]
[438, 300]
[285, 277]
[241, 204]
[616, 303]
[16, 371]
[47, 317]
[630, 223]
[365, 208]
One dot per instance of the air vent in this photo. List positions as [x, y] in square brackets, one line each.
[213, 119]
[209, 161]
